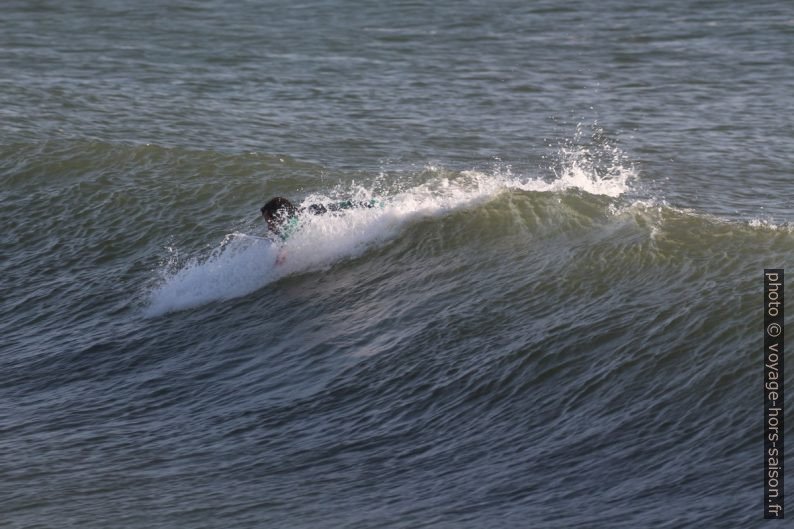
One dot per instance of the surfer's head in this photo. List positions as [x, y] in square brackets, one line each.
[276, 212]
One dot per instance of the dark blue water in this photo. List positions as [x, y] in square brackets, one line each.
[551, 319]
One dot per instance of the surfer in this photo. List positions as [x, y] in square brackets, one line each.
[281, 217]
[282, 221]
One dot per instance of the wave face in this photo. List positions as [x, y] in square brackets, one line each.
[551, 319]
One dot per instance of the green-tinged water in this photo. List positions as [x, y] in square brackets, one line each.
[552, 318]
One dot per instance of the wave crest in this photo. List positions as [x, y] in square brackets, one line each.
[241, 264]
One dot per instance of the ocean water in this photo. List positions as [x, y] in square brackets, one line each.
[554, 319]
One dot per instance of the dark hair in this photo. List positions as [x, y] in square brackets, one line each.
[278, 207]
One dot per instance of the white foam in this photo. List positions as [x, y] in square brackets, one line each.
[240, 265]
[770, 225]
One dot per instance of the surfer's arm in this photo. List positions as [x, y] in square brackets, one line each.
[349, 204]
[317, 209]
[282, 257]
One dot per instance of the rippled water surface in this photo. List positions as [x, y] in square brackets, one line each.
[552, 318]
